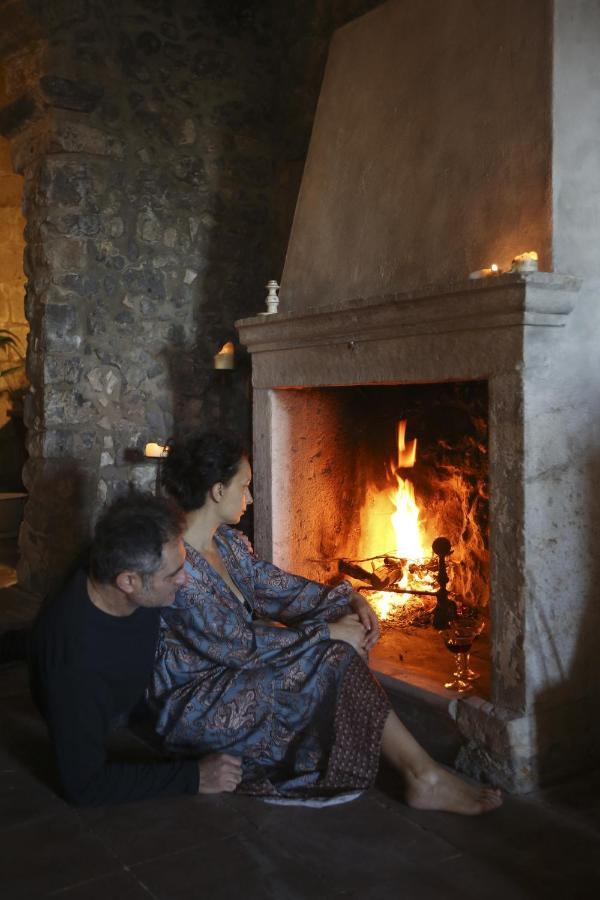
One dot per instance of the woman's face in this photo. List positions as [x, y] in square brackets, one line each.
[236, 496]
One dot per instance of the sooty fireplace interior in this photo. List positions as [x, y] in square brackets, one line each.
[468, 137]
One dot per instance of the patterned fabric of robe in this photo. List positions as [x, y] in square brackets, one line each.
[303, 711]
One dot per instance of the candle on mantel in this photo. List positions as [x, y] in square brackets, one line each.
[154, 451]
[224, 359]
[485, 273]
[525, 262]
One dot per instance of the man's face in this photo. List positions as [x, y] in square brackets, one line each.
[161, 587]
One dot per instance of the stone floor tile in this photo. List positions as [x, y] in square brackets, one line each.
[578, 799]
[355, 849]
[122, 886]
[24, 798]
[24, 738]
[49, 854]
[138, 832]
[247, 866]
[518, 837]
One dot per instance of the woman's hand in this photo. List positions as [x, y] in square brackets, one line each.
[366, 615]
[352, 631]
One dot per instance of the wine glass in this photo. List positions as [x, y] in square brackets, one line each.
[458, 638]
[471, 615]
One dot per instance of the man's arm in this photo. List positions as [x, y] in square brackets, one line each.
[78, 712]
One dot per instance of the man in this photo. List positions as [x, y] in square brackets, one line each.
[92, 653]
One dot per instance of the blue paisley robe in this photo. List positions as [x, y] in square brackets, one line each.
[302, 711]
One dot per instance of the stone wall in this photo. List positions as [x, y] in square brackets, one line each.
[161, 145]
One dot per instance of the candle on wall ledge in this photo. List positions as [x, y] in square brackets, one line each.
[154, 451]
[225, 358]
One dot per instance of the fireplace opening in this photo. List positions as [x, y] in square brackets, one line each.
[365, 479]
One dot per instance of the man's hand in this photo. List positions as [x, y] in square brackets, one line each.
[350, 629]
[367, 616]
[219, 773]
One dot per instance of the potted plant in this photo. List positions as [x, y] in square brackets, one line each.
[8, 341]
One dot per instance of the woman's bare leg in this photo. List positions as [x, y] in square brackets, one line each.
[429, 785]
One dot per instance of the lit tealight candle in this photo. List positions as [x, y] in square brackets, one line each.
[485, 273]
[154, 450]
[225, 357]
[525, 262]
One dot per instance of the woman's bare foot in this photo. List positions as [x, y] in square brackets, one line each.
[436, 788]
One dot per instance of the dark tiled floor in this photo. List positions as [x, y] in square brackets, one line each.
[540, 846]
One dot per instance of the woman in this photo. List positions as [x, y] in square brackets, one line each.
[297, 703]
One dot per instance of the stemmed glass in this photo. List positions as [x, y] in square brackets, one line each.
[458, 638]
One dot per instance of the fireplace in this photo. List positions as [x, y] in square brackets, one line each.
[384, 470]
[492, 333]
[426, 163]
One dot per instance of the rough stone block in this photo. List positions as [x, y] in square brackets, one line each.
[54, 444]
[148, 227]
[61, 327]
[67, 94]
[143, 476]
[72, 182]
[139, 282]
[59, 368]
[67, 407]
[58, 133]
[75, 225]
[74, 135]
[105, 380]
[66, 253]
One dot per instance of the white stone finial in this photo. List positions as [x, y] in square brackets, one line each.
[272, 298]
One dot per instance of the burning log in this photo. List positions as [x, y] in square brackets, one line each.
[355, 571]
[391, 577]
[382, 578]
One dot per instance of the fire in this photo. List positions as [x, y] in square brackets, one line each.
[391, 522]
[405, 519]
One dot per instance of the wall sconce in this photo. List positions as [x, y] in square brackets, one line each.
[155, 451]
[225, 358]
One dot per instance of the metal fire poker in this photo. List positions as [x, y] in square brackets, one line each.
[445, 609]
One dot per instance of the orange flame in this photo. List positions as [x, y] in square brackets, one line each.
[405, 519]
[393, 515]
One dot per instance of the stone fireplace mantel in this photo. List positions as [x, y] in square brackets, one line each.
[540, 299]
